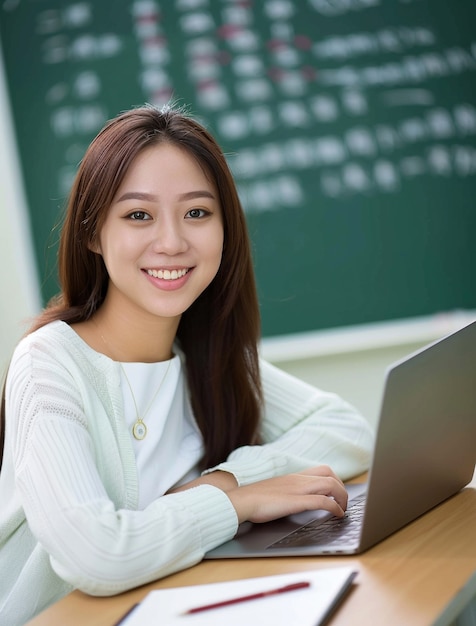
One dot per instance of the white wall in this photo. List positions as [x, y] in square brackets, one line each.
[20, 298]
[348, 361]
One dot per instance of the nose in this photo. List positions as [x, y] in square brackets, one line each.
[169, 237]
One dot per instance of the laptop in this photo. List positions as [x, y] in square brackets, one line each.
[424, 453]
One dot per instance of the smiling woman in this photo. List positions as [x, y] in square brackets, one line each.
[141, 425]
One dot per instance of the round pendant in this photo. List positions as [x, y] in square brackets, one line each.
[139, 430]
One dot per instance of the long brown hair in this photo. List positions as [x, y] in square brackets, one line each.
[219, 333]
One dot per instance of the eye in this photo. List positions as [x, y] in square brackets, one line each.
[197, 213]
[139, 216]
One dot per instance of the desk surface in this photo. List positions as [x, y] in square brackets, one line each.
[423, 574]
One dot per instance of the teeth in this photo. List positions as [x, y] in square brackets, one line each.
[167, 274]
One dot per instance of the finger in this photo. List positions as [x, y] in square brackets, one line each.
[329, 504]
[325, 486]
[338, 491]
[318, 502]
[270, 510]
[321, 470]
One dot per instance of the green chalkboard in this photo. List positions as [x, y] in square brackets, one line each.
[350, 126]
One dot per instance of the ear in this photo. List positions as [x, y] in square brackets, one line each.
[95, 246]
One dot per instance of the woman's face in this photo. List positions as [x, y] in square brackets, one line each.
[162, 240]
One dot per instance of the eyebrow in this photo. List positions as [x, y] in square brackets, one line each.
[148, 197]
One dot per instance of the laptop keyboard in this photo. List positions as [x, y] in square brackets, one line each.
[333, 531]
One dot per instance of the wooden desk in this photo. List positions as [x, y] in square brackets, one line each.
[424, 574]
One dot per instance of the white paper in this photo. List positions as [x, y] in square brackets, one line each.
[306, 607]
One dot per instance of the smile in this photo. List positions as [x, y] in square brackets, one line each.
[168, 274]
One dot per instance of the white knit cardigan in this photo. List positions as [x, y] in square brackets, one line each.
[69, 486]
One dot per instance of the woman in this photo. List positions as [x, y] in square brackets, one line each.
[141, 428]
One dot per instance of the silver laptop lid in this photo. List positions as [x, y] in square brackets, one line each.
[425, 449]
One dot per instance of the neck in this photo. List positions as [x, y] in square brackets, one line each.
[140, 339]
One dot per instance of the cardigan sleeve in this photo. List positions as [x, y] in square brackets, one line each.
[92, 541]
[302, 426]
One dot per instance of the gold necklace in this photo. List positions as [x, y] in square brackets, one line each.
[139, 428]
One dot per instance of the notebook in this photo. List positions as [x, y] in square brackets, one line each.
[309, 606]
[424, 453]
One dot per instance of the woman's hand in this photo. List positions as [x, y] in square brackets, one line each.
[313, 488]
[266, 500]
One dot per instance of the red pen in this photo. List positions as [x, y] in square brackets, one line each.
[253, 596]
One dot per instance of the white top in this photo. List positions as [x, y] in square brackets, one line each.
[170, 452]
